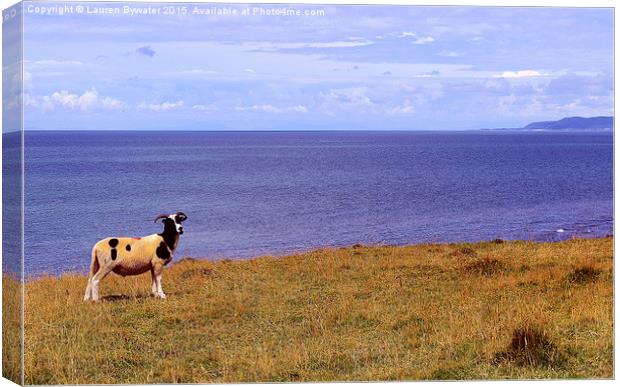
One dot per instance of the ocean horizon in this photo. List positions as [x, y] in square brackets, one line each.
[251, 193]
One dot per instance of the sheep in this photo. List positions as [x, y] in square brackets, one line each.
[134, 256]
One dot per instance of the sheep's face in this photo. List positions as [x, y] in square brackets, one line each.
[174, 221]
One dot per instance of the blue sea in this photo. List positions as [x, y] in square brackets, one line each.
[255, 193]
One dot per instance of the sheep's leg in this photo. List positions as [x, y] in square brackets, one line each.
[87, 293]
[159, 289]
[94, 282]
[94, 267]
[153, 283]
[157, 270]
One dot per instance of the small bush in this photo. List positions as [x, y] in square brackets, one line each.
[357, 246]
[456, 373]
[497, 241]
[191, 272]
[486, 267]
[530, 346]
[583, 275]
[465, 250]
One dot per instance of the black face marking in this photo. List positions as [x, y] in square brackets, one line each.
[162, 251]
[113, 242]
[113, 254]
[128, 247]
[170, 234]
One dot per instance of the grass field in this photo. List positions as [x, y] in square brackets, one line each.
[490, 310]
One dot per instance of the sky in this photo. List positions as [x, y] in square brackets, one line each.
[326, 68]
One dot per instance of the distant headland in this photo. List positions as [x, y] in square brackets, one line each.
[601, 123]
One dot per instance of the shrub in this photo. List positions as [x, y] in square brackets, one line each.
[486, 267]
[530, 346]
[465, 250]
[200, 271]
[583, 275]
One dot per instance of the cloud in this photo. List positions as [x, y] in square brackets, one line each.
[348, 98]
[54, 62]
[406, 108]
[111, 103]
[424, 40]
[164, 106]
[205, 108]
[267, 108]
[299, 109]
[264, 108]
[354, 42]
[201, 72]
[340, 44]
[449, 54]
[573, 85]
[520, 74]
[407, 34]
[88, 100]
[250, 71]
[146, 51]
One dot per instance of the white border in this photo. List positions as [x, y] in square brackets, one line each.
[511, 3]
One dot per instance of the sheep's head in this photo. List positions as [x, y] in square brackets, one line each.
[173, 221]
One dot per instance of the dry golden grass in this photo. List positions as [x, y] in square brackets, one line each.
[11, 329]
[431, 311]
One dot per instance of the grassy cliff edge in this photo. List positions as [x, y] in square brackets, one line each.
[489, 310]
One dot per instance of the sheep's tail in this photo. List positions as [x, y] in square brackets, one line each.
[94, 264]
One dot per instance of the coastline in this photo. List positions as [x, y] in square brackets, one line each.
[428, 311]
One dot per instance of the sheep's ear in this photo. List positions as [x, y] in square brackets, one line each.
[182, 216]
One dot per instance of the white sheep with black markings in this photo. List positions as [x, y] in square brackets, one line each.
[134, 256]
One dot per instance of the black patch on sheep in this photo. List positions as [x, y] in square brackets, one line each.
[113, 242]
[170, 233]
[128, 247]
[113, 254]
[162, 251]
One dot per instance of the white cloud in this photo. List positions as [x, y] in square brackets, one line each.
[72, 101]
[354, 42]
[449, 54]
[348, 98]
[54, 62]
[251, 71]
[519, 74]
[406, 108]
[339, 44]
[200, 72]
[299, 109]
[400, 35]
[267, 108]
[506, 103]
[424, 40]
[204, 108]
[111, 103]
[64, 99]
[264, 108]
[164, 106]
